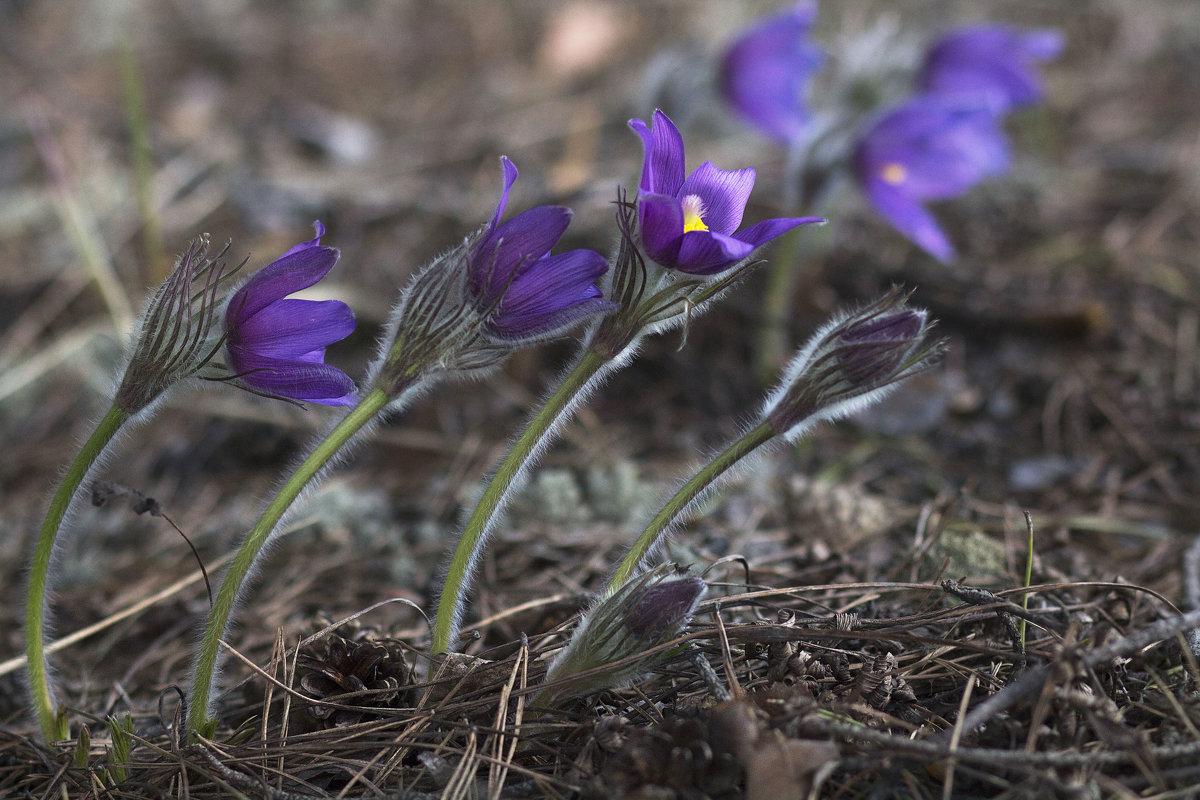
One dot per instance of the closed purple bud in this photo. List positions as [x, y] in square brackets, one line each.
[661, 608]
[646, 612]
[850, 363]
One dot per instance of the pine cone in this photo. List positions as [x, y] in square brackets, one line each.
[362, 671]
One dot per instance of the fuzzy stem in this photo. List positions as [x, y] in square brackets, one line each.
[524, 450]
[35, 605]
[231, 585]
[687, 494]
[1028, 572]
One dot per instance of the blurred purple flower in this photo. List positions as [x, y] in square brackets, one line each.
[991, 62]
[275, 344]
[929, 148]
[763, 73]
[692, 224]
[526, 293]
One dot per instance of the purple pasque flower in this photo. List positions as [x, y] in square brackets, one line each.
[525, 293]
[993, 62]
[691, 224]
[763, 74]
[929, 148]
[275, 345]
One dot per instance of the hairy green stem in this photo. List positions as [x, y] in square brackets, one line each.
[231, 585]
[54, 729]
[535, 435]
[687, 494]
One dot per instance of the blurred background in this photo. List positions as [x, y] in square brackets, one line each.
[127, 128]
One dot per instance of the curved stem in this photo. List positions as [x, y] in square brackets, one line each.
[523, 451]
[231, 585]
[687, 494]
[35, 604]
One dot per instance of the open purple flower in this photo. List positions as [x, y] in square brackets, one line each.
[526, 293]
[691, 224]
[275, 344]
[929, 148]
[763, 73]
[993, 62]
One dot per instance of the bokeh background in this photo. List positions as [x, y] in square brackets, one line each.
[1070, 388]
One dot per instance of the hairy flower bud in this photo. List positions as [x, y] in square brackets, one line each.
[850, 363]
[609, 648]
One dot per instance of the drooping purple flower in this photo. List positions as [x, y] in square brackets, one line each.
[929, 148]
[691, 224]
[275, 345]
[526, 293]
[763, 74]
[993, 62]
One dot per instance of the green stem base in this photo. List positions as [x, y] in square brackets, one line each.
[679, 503]
[54, 726]
[536, 435]
[203, 672]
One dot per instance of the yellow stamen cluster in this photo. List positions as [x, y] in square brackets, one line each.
[894, 173]
[693, 214]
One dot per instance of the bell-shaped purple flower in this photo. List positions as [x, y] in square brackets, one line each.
[525, 293]
[995, 63]
[275, 345]
[763, 73]
[691, 224]
[929, 148]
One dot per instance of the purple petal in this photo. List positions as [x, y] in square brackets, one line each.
[706, 253]
[514, 246]
[910, 218]
[320, 228]
[297, 270]
[763, 232]
[660, 218]
[702, 252]
[762, 75]
[662, 165]
[509, 170]
[937, 147]
[293, 328]
[1043, 45]
[554, 282]
[555, 293]
[299, 380]
[723, 194]
[994, 62]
